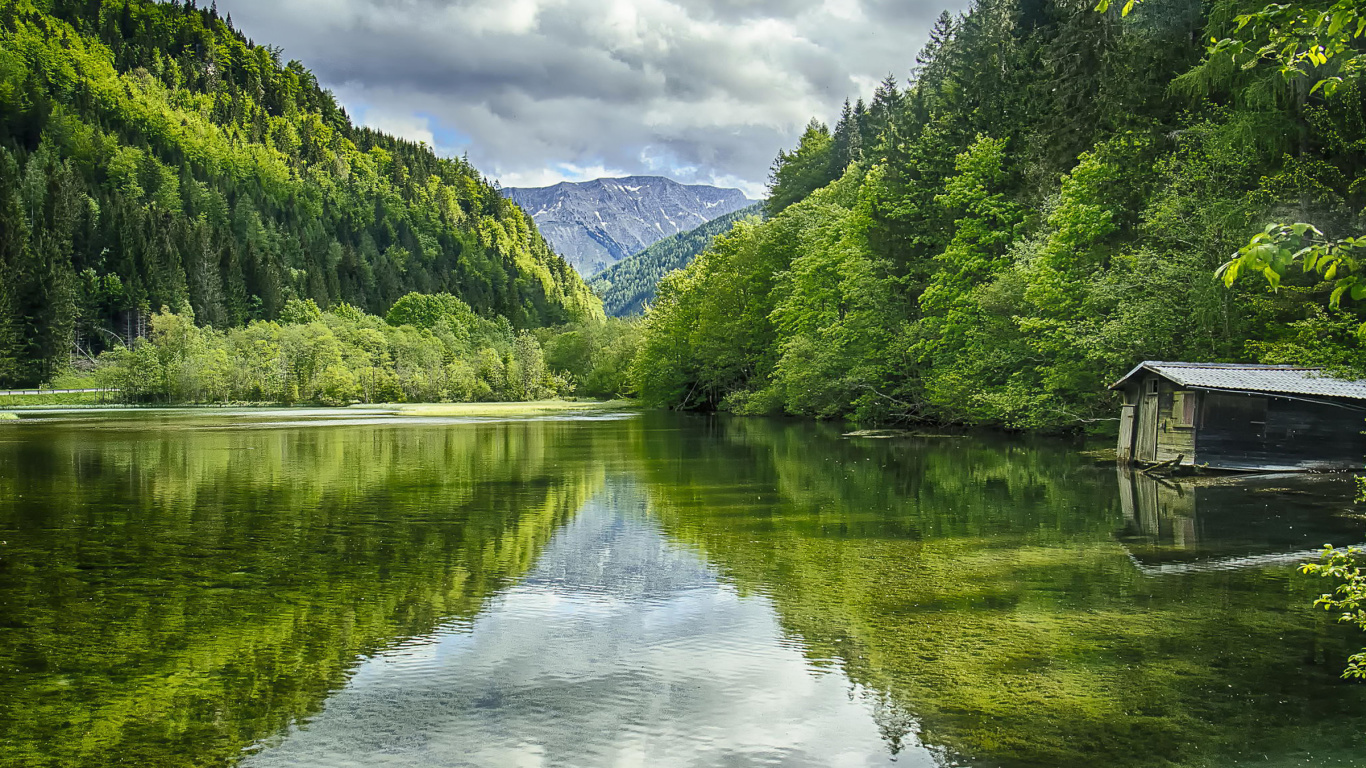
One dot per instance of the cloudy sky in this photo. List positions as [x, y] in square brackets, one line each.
[539, 91]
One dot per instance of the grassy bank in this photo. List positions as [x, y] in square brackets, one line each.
[56, 398]
[470, 410]
[529, 408]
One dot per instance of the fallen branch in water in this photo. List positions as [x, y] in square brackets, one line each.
[1169, 463]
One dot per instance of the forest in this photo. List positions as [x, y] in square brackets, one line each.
[1044, 204]
[151, 156]
[628, 286]
[1047, 199]
[427, 348]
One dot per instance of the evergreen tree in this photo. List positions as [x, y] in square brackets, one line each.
[1039, 210]
[847, 142]
[156, 147]
[796, 174]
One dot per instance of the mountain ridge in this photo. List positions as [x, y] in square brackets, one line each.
[626, 286]
[596, 223]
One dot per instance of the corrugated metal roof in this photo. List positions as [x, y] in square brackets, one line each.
[1286, 379]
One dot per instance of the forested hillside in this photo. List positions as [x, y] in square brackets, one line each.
[152, 156]
[1044, 205]
[626, 287]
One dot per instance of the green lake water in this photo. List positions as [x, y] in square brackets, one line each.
[354, 588]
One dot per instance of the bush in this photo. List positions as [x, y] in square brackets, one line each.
[343, 355]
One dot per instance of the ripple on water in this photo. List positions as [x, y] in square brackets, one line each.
[619, 648]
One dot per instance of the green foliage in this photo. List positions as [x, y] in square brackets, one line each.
[596, 357]
[798, 173]
[629, 285]
[296, 312]
[1273, 251]
[343, 356]
[427, 310]
[151, 155]
[1325, 339]
[1349, 597]
[709, 331]
[956, 319]
[832, 308]
[1042, 208]
[1308, 42]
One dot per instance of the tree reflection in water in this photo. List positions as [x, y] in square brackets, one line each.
[177, 588]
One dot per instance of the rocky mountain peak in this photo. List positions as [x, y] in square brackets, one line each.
[594, 224]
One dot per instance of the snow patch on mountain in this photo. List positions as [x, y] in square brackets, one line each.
[595, 224]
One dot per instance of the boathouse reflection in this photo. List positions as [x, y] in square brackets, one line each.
[1231, 521]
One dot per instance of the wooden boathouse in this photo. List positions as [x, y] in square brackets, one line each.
[1241, 417]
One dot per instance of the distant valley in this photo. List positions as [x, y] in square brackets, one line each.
[627, 286]
[595, 224]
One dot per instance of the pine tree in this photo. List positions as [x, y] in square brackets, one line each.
[796, 174]
[261, 192]
[847, 142]
[931, 63]
[885, 107]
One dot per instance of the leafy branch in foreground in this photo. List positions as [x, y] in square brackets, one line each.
[1349, 597]
[1302, 41]
[1305, 43]
[1104, 5]
[1273, 251]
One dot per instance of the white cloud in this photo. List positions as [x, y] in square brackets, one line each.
[546, 90]
[402, 124]
[543, 177]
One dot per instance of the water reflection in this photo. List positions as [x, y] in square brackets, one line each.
[171, 592]
[1234, 521]
[980, 584]
[206, 588]
[619, 648]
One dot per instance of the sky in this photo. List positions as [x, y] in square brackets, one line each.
[541, 91]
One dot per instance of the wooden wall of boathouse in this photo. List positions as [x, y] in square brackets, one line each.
[1252, 431]
[1157, 422]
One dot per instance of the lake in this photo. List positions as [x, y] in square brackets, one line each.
[355, 587]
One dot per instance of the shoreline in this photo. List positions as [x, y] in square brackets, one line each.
[475, 409]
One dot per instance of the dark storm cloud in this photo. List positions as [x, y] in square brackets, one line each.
[542, 90]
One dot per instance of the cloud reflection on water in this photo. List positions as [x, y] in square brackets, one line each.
[620, 648]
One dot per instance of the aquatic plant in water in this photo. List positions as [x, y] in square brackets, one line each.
[1344, 564]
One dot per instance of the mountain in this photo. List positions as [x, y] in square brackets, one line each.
[595, 224]
[151, 155]
[626, 286]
